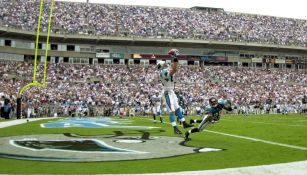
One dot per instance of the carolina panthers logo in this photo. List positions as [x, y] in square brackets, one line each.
[69, 147]
[76, 148]
[80, 145]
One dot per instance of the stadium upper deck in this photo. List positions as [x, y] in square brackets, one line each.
[152, 22]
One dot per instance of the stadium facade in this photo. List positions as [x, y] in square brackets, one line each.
[19, 45]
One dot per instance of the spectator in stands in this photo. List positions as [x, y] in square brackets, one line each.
[177, 23]
[121, 86]
[304, 104]
[6, 109]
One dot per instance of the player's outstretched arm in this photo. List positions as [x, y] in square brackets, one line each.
[174, 53]
[174, 69]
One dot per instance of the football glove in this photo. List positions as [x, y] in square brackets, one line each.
[174, 53]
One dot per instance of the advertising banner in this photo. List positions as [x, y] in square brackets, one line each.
[221, 59]
[102, 55]
[290, 61]
[117, 55]
[209, 58]
[257, 60]
[280, 61]
[157, 56]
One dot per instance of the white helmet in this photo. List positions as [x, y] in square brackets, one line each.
[160, 64]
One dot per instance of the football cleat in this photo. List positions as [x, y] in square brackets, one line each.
[186, 125]
[176, 130]
[186, 136]
[191, 121]
[213, 121]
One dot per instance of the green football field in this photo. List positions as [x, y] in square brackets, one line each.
[245, 141]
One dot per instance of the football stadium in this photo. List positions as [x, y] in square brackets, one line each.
[94, 88]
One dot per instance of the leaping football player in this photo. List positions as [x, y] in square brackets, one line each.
[212, 115]
[170, 98]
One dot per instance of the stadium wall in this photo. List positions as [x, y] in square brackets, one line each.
[22, 44]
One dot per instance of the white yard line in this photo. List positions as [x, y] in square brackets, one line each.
[256, 140]
[259, 140]
[301, 121]
[297, 168]
[266, 123]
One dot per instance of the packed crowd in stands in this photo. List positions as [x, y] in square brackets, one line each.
[142, 21]
[111, 90]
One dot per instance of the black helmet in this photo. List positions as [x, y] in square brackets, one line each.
[213, 102]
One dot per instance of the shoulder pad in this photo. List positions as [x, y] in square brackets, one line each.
[221, 101]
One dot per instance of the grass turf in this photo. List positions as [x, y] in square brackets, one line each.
[287, 129]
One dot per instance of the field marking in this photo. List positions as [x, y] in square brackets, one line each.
[297, 168]
[20, 121]
[260, 140]
[279, 124]
[302, 121]
[253, 139]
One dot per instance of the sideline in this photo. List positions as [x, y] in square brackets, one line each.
[267, 123]
[21, 121]
[295, 168]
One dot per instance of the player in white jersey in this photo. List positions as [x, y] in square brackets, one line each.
[156, 106]
[167, 79]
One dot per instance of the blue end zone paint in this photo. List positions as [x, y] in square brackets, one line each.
[93, 123]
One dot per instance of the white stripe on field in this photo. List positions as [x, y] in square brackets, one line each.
[266, 123]
[259, 140]
[256, 140]
[5, 124]
[296, 168]
[301, 121]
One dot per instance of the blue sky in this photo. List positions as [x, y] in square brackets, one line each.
[281, 8]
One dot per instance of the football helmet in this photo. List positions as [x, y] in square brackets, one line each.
[213, 102]
[160, 64]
